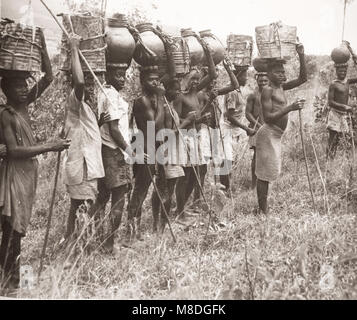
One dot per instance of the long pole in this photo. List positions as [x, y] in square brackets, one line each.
[50, 214]
[194, 170]
[344, 19]
[49, 219]
[162, 203]
[305, 157]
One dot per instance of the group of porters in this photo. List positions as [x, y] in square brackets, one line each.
[178, 78]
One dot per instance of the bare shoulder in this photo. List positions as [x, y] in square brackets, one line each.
[267, 91]
[6, 118]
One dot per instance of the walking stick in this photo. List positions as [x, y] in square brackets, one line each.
[49, 219]
[184, 143]
[305, 157]
[162, 203]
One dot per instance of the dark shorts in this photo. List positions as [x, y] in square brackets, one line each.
[117, 171]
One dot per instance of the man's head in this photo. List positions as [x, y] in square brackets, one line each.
[341, 71]
[16, 89]
[262, 79]
[241, 73]
[149, 78]
[193, 80]
[89, 86]
[115, 76]
[276, 72]
[173, 89]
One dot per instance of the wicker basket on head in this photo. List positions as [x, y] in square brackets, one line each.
[92, 45]
[240, 49]
[20, 47]
[276, 41]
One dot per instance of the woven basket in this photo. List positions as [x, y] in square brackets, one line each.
[181, 56]
[276, 41]
[240, 49]
[20, 47]
[92, 45]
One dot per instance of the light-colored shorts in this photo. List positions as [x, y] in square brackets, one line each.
[173, 171]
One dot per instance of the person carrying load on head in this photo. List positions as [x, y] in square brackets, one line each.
[209, 104]
[83, 164]
[232, 116]
[18, 171]
[338, 96]
[253, 111]
[275, 112]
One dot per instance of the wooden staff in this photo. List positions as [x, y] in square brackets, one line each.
[186, 148]
[305, 157]
[162, 203]
[49, 219]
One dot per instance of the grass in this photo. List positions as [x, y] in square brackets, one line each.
[294, 253]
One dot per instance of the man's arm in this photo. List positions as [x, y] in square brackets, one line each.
[212, 74]
[233, 120]
[116, 134]
[21, 152]
[249, 111]
[46, 80]
[302, 76]
[271, 116]
[77, 72]
[334, 104]
[171, 68]
[234, 82]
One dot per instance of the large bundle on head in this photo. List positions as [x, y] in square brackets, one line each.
[197, 55]
[92, 45]
[276, 41]
[120, 42]
[240, 49]
[341, 55]
[20, 47]
[215, 45]
[181, 55]
[152, 42]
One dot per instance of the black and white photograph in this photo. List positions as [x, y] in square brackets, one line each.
[178, 150]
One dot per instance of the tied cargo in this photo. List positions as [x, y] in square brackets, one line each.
[276, 41]
[240, 49]
[92, 45]
[20, 47]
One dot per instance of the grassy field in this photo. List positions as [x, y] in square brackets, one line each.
[293, 253]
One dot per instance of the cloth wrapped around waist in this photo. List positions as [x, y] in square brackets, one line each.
[268, 152]
[337, 121]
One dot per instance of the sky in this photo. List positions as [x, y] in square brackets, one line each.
[319, 22]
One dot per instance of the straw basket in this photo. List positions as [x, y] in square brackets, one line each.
[181, 56]
[20, 47]
[276, 41]
[92, 45]
[240, 49]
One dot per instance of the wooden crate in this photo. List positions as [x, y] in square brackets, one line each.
[20, 47]
[93, 45]
[276, 41]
